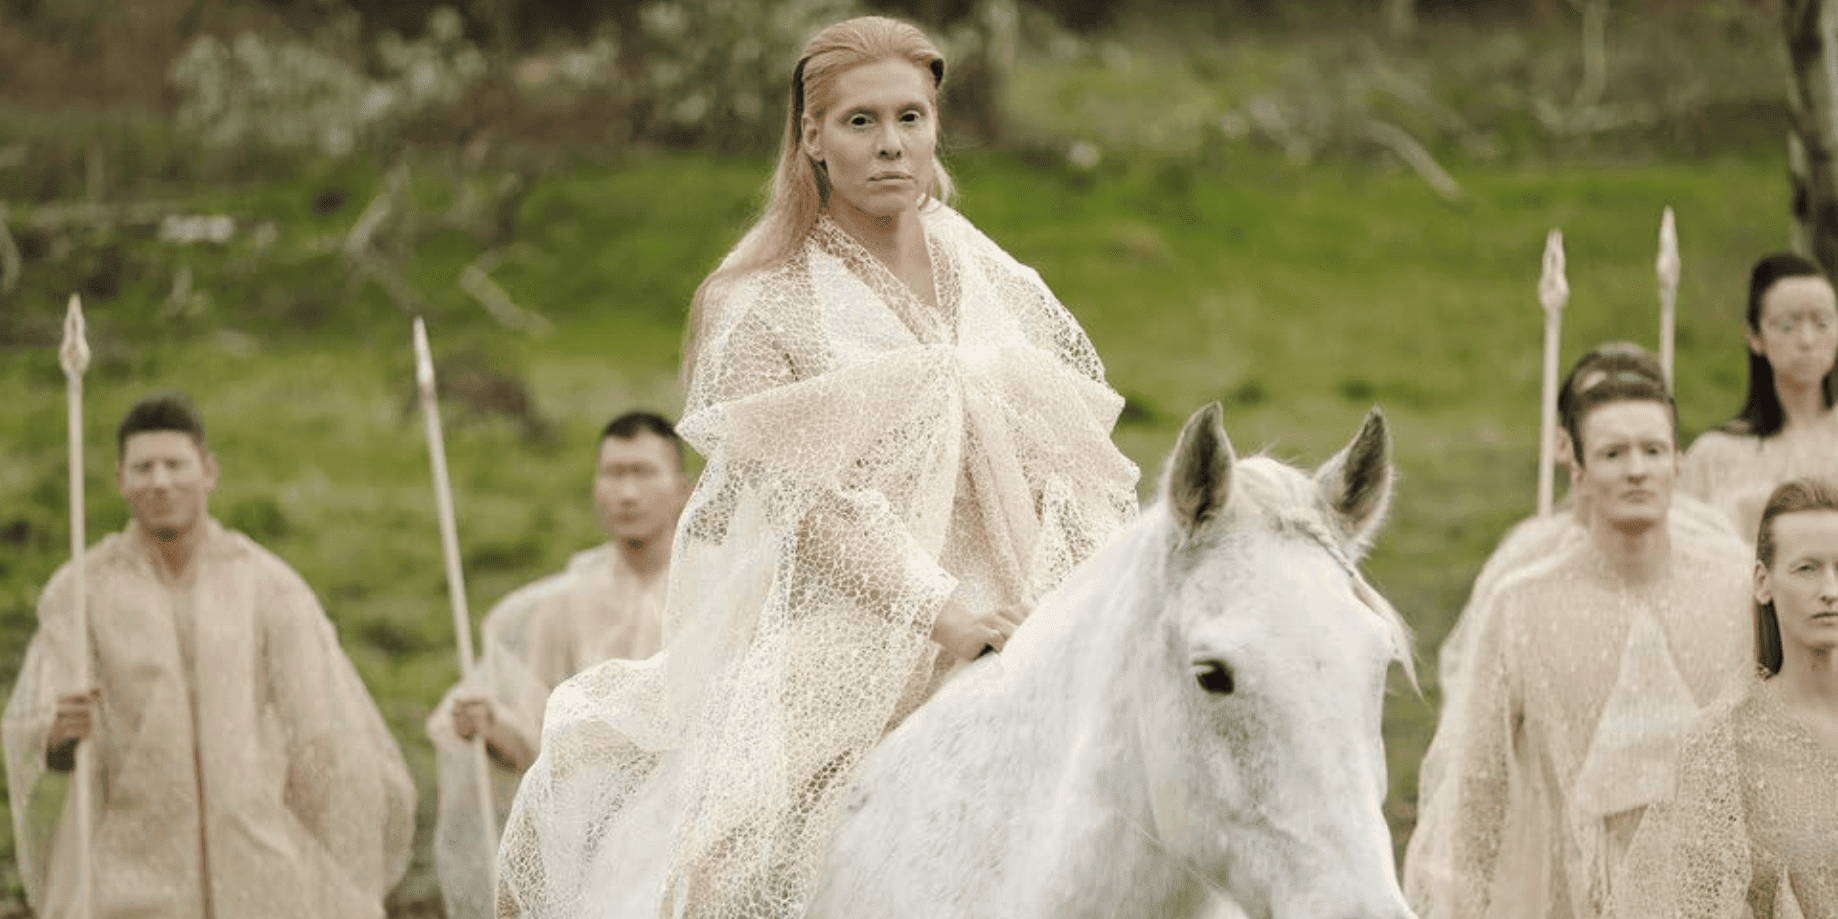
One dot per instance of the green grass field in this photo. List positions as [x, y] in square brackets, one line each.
[1203, 268]
[1299, 298]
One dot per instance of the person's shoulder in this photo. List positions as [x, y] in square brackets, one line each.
[107, 557]
[951, 225]
[1721, 442]
[525, 602]
[274, 577]
[1528, 588]
[1533, 540]
[1708, 556]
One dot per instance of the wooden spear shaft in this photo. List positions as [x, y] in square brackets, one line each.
[1667, 268]
[1553, 294]
[74, 356]
[456, 588]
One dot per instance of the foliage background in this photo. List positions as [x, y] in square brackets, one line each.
[1201, 182]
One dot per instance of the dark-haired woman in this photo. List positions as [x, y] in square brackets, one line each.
[1787, 428]
[1752, 829]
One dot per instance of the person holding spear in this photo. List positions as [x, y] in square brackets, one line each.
[607, 604]
[240, 769]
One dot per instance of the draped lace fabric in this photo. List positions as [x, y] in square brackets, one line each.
[1752, 829]
[1737, 472]
[868, 454]
[240, 768]
[1532, 544]
[596, 609]
[1563, 724]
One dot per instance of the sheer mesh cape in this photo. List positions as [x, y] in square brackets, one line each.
[1736, 473]
[868, 454]
[1752, 830]
[1563, 723]
[1531, 544]
[229, 708]
[596, 609]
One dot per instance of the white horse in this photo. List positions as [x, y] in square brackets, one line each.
[1191, 721]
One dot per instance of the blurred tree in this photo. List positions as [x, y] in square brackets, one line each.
[1812, 97]
[1400, 18]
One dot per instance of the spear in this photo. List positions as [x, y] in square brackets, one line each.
[1553, 293]
[1667, 267]
[74, 356]
[456, 588]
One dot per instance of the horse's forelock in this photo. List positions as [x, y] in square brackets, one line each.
[1285, 500]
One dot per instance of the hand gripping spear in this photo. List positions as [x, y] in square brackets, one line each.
[1667, 267]
[1553, 293]
[456, 588]
[74, 355]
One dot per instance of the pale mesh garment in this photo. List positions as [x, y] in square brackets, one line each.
[596, 609]
[1736, 473]
[868, 454]
[1535, 542]
[241, 770]
[1570, 702]
[1752, 829]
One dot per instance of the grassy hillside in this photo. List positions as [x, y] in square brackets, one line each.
[1299, 298]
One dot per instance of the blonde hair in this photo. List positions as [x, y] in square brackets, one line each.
[800, 187]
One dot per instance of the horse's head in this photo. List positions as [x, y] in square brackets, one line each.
[1261, 724]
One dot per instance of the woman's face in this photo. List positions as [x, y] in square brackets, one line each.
[1799, 329]
[1803, 581]
[876, 138]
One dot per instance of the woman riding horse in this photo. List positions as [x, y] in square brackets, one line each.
[908, 442]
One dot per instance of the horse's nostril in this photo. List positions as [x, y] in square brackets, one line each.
[1214, 677]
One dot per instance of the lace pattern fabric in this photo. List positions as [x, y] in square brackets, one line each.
[868, 454]
[1736, 472]
[1752, 830]
[1567, 715]
[596, 609]
[241, 769]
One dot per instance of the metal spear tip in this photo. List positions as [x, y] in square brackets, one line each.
[74, 353]
[1668, 264]
[1553, 288]
[424, 359]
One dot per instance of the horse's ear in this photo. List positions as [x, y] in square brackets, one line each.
[1199, 477]
[1357, 482]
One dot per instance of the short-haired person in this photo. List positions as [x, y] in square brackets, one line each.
[1530, 544]
[1581, 677]
[1752, 829]
[608, 603]
[1787, 427]
[241, 770]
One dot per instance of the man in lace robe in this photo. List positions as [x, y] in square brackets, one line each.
[1578, 682]
[607, 604]
[241, 771]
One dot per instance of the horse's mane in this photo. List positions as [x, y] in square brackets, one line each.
[1287, 501]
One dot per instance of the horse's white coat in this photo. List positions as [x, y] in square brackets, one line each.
[1085, 772]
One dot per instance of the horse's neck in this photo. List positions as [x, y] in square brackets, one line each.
[1074, 675]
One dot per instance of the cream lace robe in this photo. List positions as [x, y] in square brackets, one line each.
[596, 609]
[1572, 695]
[867, 455]
[1752, 830]
[242, 770]
[1735, 472]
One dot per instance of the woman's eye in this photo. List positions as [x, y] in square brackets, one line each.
[858, 121]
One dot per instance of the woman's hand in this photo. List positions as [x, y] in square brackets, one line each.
[966, 632]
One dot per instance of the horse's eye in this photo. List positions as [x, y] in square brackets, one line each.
[1214, 677]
